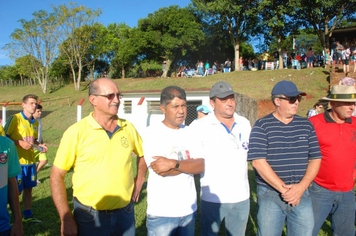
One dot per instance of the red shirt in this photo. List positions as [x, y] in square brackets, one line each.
[338, 148]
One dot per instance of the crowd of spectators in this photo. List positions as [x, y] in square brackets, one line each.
[340, 53]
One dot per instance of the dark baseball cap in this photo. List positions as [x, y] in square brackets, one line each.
[221, 89]
[286, 88]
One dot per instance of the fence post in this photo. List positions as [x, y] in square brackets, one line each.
[4, 114]
[79, 110]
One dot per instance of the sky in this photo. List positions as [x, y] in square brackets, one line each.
[113, 11]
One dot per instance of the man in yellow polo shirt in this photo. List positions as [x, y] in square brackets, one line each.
[99, 148]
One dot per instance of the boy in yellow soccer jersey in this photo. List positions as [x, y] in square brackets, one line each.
[22, 128]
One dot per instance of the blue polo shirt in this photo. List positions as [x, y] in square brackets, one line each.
[286, 147]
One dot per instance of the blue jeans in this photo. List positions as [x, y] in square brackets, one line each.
[91, 222]
[341, 206]
[285, 62]
[167, 226]
[273, 211]
[235, 214]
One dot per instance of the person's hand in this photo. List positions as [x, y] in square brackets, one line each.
[162, 164]
[45, 148]
[69, 227]
[25, 145]
[16, 229]
[294, 194]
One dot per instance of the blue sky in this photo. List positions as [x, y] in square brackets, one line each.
[127, 11]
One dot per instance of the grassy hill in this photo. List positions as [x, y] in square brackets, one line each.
[60, 105]
[60, 108]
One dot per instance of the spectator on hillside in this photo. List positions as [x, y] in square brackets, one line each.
[346, 53]
[354, 55]
[276, 58]
[339, 49]
[264, 57]
[328, 58]
[241, 63]
[285, 58]
[215, 67]
[207, 67]
[164, 65]
[310, 58]
[347, 81]
[227, 65]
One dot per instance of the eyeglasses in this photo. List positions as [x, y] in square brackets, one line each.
[292, 100]
[110, 96]
[234, 140]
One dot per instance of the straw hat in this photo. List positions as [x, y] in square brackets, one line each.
[342, 93]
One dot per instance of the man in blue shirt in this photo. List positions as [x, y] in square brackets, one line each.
[285, 153]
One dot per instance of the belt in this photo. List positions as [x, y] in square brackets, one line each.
[90, 209]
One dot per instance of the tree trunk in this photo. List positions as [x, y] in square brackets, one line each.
[168, 65]
[237, 55]
[123, 72]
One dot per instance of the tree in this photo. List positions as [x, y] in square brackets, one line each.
[24, 66]
[99, 45]
[169, 32]
[324, 16]
[37, 39]
[126, 44]
[276, 21]
[238, 17]
[76, 31]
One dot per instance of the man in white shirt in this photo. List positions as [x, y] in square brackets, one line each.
[170, 156]
[223, 136]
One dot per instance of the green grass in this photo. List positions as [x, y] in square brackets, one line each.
[60, 112]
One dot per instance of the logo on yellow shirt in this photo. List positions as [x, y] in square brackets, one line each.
[124, 142]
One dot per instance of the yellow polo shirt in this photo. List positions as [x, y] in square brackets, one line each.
[2, 131]
[103, 175]
[18, 127]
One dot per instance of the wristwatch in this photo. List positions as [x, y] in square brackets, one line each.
[177, 165]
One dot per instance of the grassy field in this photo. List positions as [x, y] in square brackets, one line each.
[60, 112]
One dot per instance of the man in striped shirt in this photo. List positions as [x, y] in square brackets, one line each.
[285, 153]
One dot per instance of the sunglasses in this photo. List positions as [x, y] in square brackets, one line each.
[111, 96]
[292, 100]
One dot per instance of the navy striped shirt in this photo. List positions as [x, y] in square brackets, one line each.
[286, 147]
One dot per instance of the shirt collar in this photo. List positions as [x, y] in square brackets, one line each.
[328, 118]
[30, 121]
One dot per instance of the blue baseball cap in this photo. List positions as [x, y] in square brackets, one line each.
[286, 88]
[203, 108]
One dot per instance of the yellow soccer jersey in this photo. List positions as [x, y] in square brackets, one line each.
[18, 127]
[103, 175]
[2, 131]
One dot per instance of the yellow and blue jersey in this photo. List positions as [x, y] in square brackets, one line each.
[18, 127]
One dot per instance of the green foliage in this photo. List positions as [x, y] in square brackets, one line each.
[238, 18]
[37, 39]
[125, 44]
[169, 32]
[78, 36]
[324, 15]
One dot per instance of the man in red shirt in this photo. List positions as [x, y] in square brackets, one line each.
[332, 191]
